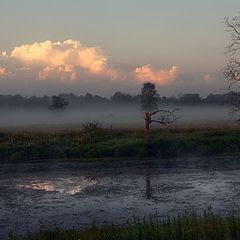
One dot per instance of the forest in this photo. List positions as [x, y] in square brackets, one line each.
[118, 98]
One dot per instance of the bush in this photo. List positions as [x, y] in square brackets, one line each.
[3, 137]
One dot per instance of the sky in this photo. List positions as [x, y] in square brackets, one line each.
[102, 46]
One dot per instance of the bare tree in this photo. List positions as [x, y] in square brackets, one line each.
[149, 103]
[232, 70]
[163, 117]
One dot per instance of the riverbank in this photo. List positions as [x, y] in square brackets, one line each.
[207, 226]
[97, 143]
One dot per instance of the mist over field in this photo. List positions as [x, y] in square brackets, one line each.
[114, 116]
[119, 120]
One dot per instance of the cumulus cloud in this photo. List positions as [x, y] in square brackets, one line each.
[207, 78]
[70, 60]
[4, 53]
[4, 71]
[158, 76]
[63, 60]
[62, 72]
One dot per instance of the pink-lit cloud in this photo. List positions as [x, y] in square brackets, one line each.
[72, 61]
[4, 71]
[61, 60]
[207, 78]
[62, 72]
[158, 76]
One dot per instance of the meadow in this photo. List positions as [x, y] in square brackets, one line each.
[95, 142]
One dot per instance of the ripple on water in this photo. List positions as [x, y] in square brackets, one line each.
[76, 194]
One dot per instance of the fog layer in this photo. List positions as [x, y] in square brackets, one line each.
[117, 117]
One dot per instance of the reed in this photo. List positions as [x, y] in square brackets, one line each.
[186, 227]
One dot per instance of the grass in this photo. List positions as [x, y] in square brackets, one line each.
[205, 227]
[120, 143]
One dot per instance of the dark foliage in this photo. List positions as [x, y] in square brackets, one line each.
[58, 103]
[93, 141]
[20, 102]
[149, 97]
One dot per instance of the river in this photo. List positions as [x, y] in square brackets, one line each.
[80, 193]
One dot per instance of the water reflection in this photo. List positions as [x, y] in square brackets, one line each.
[61, 185]
[148, 193]
[62, 194]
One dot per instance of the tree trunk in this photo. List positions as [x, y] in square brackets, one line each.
[147, 120]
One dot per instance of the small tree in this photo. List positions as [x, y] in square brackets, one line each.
[58, 103]
[149, 97]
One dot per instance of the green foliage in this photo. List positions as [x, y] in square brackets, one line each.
[184, 227]
[93, 141]
[3, 137]
[126, 150]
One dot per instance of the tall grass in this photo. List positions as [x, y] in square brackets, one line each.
[96, 142]
[205, 227]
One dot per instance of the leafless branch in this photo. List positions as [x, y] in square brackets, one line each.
[165, 116]
[232, 71]
[234, 100]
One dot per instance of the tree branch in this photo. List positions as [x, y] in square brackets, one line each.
[166, 116]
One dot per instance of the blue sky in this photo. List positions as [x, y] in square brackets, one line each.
[132, 33]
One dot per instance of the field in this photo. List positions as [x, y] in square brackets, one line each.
[95, 142]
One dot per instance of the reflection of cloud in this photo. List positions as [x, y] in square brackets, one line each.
[61, 59]
[159, 76]
[66, 186]
[43, 186]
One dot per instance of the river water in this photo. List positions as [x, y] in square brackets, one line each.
[81, 193]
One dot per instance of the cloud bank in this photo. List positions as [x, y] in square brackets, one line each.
[69, 66]
[70, 60]
[158, 76]
[64, 60]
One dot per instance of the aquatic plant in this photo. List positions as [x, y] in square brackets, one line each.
[185, 227]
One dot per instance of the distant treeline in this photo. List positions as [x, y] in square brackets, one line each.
[18, 101]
